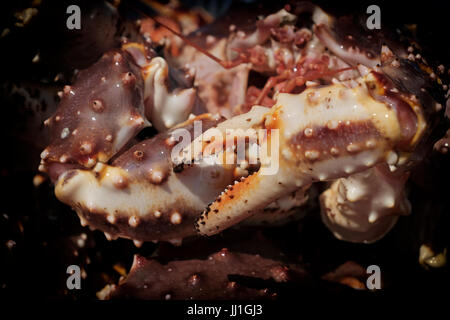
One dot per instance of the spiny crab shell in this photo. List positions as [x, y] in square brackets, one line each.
[351, 107]
[203, 279]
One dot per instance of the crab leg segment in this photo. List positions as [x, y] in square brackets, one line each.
[215, 140]
[261, 34]
[140, 196]
[365, 206]
[108, 104]
[97, 115]
[165, 108]
[240, 201]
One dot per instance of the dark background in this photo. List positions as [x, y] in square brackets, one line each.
[46, 232]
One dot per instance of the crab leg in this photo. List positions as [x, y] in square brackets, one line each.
[97, 115]
[144, 196]
[164, 108]
[108, 104]
[365, 206]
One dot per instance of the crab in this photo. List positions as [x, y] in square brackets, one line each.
[351, 109]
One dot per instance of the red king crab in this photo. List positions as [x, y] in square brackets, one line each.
[339, 103]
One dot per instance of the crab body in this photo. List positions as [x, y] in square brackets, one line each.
[356, 115]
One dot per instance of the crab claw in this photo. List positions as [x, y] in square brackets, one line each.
[239, 202]
[323, 134]
[140, 195]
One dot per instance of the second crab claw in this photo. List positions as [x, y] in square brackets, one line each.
[140, 196]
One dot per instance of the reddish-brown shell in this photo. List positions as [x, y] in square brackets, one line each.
[98, 114]
[223, 275]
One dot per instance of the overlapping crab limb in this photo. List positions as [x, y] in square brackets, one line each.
[221, 89]
[165, 108]
[353, 45]
[97, 115]
[234, 128]
[145, 196]
[261, 34]
[104, 108]
[140, 196]
[365, 206]
[324, 134]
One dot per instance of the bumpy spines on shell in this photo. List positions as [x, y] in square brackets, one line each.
[217, 277]
[98, 114]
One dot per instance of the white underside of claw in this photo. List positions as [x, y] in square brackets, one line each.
[280, 211]
[164, 108]
[110, 195]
